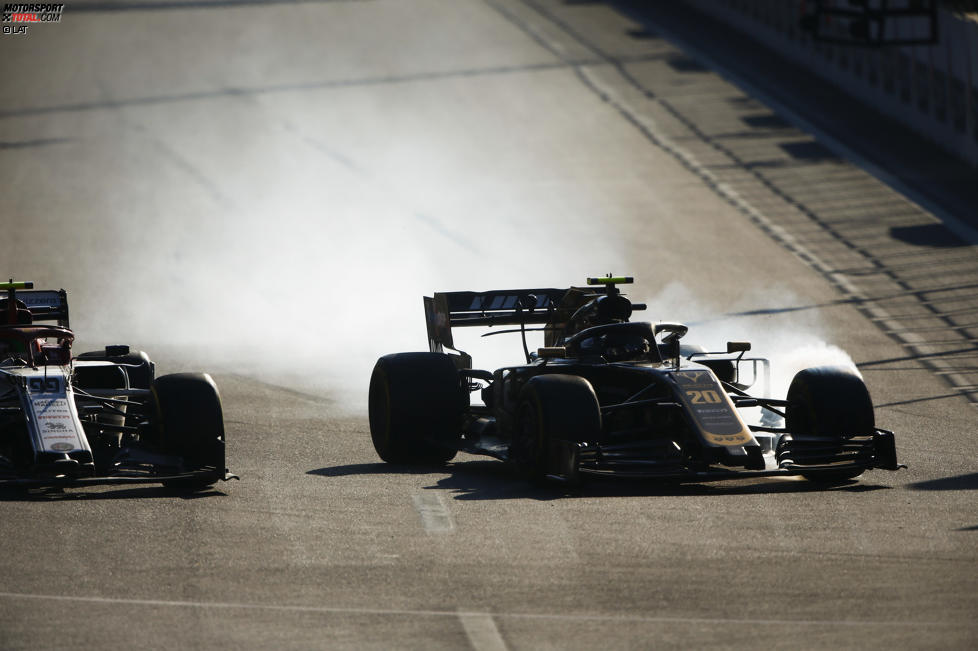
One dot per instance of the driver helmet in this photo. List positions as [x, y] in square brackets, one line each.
[619, 347]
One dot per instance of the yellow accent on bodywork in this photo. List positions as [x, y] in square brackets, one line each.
[713, 413]
[21, 284]
[609, 280]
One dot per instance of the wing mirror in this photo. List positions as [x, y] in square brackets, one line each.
[738, 346]
[676, 331]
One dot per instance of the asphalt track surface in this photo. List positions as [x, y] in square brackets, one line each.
[249, 166]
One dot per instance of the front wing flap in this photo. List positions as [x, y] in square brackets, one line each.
[568, 460]
[201, 476]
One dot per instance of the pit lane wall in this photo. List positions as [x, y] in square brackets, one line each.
[932, 89]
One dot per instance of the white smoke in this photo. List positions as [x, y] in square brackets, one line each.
[293, 238]
[777, 323]
[314, 263]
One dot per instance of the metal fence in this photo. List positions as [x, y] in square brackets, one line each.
[932, 89]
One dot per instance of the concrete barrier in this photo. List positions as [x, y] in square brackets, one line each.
[932, 89]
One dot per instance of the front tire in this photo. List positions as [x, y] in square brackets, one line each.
[191, 424]
[829, 403]
[416, 405]
[552, 407]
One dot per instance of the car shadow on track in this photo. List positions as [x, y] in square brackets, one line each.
[378, 468]
[127, 493]
[967, 482]
[493, 480]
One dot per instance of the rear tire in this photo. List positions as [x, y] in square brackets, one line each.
[829, 402]
[552, 407]
[191, 423]
[416, 405]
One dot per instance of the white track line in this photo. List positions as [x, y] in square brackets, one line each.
[482, 632]
[329, 610]
[435, 516]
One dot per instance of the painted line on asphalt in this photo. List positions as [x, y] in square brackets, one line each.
[404, 612]
[435, 516]
[482, 632]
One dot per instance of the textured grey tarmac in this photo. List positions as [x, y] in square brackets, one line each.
[214, 181]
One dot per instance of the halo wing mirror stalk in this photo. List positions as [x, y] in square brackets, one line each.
[676, 332]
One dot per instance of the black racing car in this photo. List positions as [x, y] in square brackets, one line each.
[102, 417]
[609, 396]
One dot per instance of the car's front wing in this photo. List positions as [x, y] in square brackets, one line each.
[835, 457]
[199, 477]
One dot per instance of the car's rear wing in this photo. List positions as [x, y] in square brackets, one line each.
[45, 304]
[447, 310]
[552, 308]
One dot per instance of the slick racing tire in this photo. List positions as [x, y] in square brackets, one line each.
[829, 402]
[552, 407]
[191, 424]
[416, 403]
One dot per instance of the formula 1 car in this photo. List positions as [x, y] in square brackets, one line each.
[101, 417]
[608, 396]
